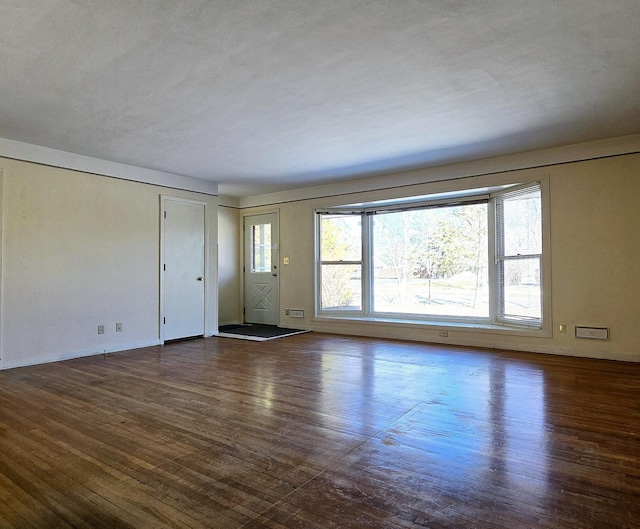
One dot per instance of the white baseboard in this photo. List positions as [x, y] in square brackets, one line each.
[234, 322]
[57, 357]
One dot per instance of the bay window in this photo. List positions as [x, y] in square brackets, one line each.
[471, 258]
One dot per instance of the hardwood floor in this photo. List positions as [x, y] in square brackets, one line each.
[320, 431]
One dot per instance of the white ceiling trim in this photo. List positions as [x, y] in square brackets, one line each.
[527, 160]
[513, 162]
[65, 160]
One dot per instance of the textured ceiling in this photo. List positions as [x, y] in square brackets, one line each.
[270, 94]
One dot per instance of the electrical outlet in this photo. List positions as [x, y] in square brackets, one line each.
[119, 327]
[563, 327]
[286, 312]
[100, 329]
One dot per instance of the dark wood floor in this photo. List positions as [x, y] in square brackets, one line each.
[320, 431]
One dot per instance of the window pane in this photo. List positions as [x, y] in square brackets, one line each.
[522, 294]
[341, 287]
[341, 238]
[523, 224]
[261, 259]
[432, 261]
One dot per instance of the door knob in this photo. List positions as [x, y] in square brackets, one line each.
[200, 278]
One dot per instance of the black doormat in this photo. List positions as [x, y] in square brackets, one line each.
[256, 332]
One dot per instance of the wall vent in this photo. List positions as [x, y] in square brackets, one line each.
[592, 333]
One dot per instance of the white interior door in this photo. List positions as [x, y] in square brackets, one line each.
[183, 269]
[261, 286]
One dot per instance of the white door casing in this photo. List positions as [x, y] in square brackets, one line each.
[182, 269]
[261, 271]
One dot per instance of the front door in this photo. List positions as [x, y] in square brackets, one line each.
[261, 286]
[183, 269]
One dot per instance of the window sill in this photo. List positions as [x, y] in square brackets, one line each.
[488, 328]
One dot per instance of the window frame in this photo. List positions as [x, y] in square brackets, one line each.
[501, 258]
[496, 319]
[426, 318]
[321, 263]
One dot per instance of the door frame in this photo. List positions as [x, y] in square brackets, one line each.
[163, 200]
[275, 212]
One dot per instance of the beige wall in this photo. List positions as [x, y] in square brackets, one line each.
[81, 250]
[596, 253]
[229, 265]
[595, 259]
